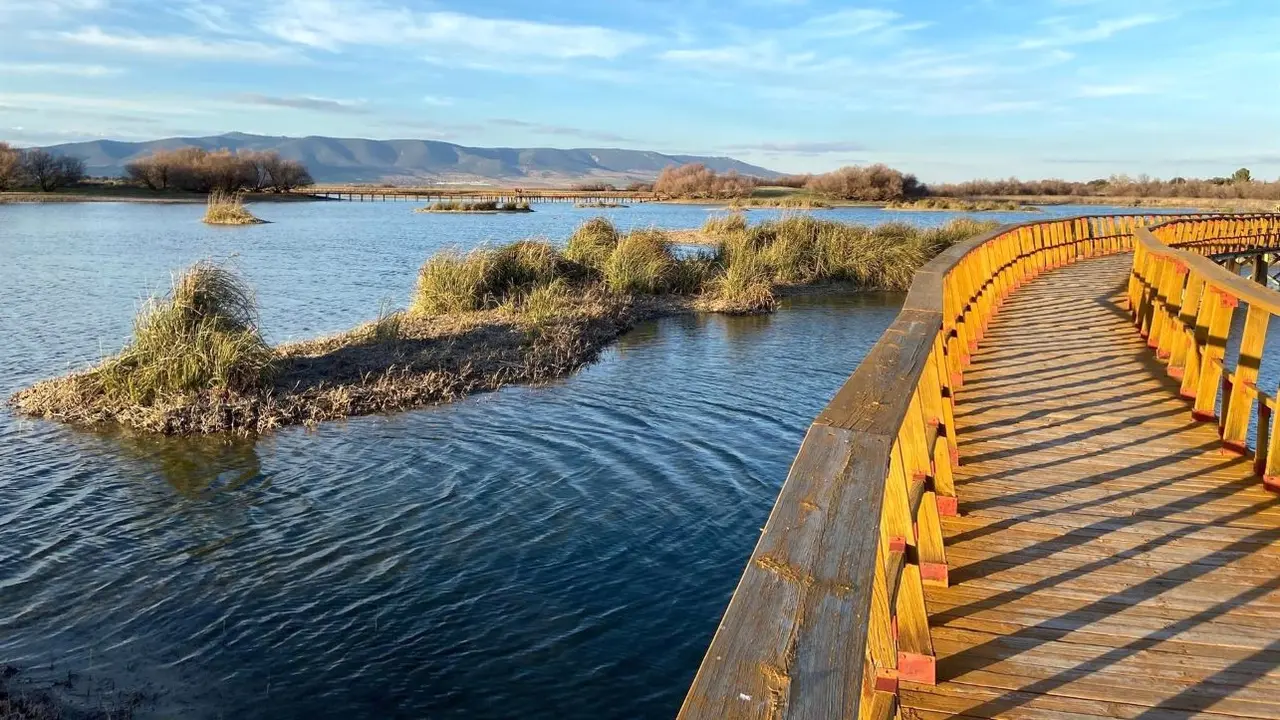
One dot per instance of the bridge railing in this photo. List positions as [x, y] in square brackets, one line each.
[1184, 305]
[829, 615]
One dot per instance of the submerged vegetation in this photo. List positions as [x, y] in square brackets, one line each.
[228, 209]
[477, 206]
[527, 311]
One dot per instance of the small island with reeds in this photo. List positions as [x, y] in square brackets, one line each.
[477, 206]
[525, 312]
[228, 209]
[600, 204]
[960, 205]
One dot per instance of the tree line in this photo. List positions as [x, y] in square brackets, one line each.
[198, 170]
[874, 183]
[37, 168]
[1240, 185]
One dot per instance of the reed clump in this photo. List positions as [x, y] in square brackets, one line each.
[227, 208]
[199, 343]
[592, 243]
[476, 206]
[642, 263]
[961, 205]
[526, 311]
[794, 202]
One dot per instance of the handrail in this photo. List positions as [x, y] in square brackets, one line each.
[1183, 304]
[829, 614]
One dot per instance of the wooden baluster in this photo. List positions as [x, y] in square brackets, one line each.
[1238, 408]
[916, 662]
[1183, 336]
[1211, 354]
[1175, 282]
[880, 677]
[1159, 316]
[947, 390]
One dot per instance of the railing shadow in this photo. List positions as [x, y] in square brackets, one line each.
[1116, 475]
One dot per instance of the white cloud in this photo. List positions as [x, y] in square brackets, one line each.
[330, 24]
[58, 69]
[179, 46]
[1063, 36]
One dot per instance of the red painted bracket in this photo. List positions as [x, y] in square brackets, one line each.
[1234, 448]
[955, 456]
[1176, 373]
[948, 506]
[1201, 416]
[1271, 482]
[897, 544]
[887, 681]
[917, 668]
[934, 574]
[1163, 354]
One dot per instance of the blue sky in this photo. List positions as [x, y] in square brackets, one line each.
[948, 89]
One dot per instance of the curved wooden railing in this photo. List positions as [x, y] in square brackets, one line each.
[1184, 304]
[829, 614]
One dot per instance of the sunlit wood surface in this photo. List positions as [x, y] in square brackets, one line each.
[1110, 560]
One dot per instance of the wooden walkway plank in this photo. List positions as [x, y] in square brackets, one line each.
[1109, 560]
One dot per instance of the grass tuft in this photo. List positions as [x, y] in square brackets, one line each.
[203, 336]
[592, 243]
[641, 263]
[717, 225]
[228, 209]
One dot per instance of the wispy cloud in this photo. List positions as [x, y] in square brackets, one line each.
[1062, 35]
[818, 147]
[303, 103]
[76, 69]
[331, 24]
[180, 46]
[561, 130]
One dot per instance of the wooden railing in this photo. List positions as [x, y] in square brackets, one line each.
[1184, 304]
[829, 615]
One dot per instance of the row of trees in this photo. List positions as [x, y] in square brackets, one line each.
[198, 170]
[37, 168]
[1240, 185]
[696, 180]
[871, 183]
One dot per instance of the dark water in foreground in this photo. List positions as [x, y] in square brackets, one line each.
[563, 551]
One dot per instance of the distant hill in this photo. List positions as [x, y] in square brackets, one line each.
[342, 160]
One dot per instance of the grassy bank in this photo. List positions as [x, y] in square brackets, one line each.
[125, 193]
[961, 205]
[524, 312]
[464, 206]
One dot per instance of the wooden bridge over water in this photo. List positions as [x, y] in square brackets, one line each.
[1045, 493]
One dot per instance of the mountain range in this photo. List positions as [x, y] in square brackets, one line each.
[350, 160]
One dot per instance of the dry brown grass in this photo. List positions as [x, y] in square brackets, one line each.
[228, 209]
[518, 313]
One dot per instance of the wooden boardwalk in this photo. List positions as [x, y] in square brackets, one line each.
[1109, 560]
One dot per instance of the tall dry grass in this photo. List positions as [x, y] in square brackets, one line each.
[203, 336]
[227, 208]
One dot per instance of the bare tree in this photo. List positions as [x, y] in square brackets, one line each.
[51, 172]
[10, 166]
[289, 175]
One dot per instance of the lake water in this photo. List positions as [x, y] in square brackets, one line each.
[555, 552]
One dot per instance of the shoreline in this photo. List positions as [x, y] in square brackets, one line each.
[58, 197]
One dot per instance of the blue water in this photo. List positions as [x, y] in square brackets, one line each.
[555, 552]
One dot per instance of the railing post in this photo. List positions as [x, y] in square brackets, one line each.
[1238, 409]
[1211, 354]
[1184, 330]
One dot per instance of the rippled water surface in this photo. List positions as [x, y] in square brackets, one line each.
[562, 551]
